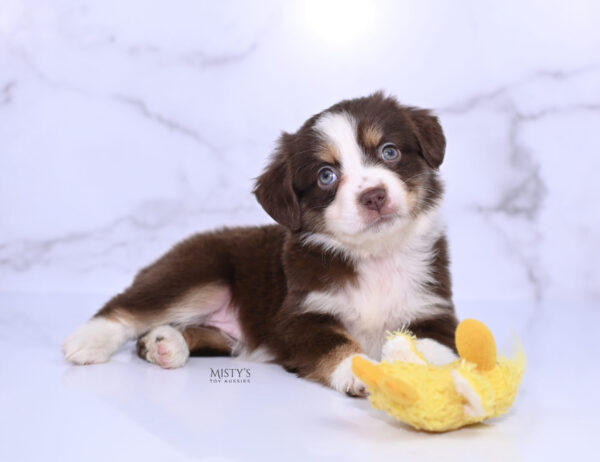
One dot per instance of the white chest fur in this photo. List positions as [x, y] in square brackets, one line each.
[389, 293]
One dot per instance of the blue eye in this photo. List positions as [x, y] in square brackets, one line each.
[389, 152]
[327, 176]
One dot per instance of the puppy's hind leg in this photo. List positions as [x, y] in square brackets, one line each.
[181, 288]
[139, 310]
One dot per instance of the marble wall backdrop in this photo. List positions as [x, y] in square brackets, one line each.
[127, 125]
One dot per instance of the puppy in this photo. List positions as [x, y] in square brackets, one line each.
[359, 250]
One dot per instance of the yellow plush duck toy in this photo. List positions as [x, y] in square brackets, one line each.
[475, 387]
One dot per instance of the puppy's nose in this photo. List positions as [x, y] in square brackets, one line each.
[373, 198]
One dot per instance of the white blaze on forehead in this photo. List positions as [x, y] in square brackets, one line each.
[345, 218]
[340, 129]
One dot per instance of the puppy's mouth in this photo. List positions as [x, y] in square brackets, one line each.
[381, 221]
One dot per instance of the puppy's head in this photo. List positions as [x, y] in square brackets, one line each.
[356, 172]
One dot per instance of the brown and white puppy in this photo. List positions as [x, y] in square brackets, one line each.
[359, 250]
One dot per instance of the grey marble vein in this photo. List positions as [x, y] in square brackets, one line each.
[474, 101]
[525, 196]
[6, 93]
[22, 255]
[203, 60]
[199, 59]
[170, 124]
[137, 104]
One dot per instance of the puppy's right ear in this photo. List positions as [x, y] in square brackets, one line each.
[274, 189]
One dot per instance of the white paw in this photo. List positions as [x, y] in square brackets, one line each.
[95, 341]
[436, 353]
[166, 347]
[400, 348]
[344, 380]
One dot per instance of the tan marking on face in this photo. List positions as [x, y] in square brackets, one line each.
[412, 199]
[372, 136]
[329, 154]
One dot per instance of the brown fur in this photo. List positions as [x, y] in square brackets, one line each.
[207, 341]
[248, 260]
[441, 328]
[326, 363]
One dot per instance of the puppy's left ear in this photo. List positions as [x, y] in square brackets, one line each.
[430, 136]
[274, 189]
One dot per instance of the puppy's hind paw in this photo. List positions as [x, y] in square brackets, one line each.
[164, 346]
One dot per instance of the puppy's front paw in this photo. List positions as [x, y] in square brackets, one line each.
[344, 380]
[165, 346]
[421, 351]
[400, 348]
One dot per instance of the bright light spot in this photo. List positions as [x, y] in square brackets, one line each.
[340, 21]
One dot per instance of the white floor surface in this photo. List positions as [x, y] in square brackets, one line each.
[131, 410]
